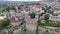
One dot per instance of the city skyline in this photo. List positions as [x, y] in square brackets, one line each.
[20, 0]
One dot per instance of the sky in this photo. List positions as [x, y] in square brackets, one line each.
[20, 0]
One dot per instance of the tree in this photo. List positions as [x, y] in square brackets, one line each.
[19, 7]
[47, 17]
[1, 23]
[7, 9]
[52, 23]
[4, 33]
[32, 15]
[24, 26]
[8, 13]
[3, 10]
[38, 23]
[13, 7]
[4, 23]
[47, 9]
[47, 32]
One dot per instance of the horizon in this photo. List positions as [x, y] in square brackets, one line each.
[20, 0]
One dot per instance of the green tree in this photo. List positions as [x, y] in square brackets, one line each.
[47, 32]
[8, 11]
[4, 23]
[24, 26]
[38, 23]
[32, 15]
[13, 7]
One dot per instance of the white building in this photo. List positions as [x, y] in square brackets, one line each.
[54, 18]
[2, 17]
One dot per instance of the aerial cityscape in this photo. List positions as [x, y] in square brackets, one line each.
[30, 17]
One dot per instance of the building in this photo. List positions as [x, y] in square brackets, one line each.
[54, 18]
[16, 18]
[50, 0]
[3, 16]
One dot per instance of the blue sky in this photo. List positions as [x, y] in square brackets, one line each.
[20, 0]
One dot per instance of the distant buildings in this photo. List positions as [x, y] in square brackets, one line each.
[50, 0]
[18, 15]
